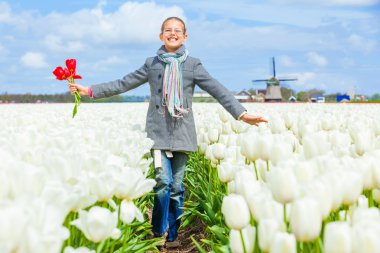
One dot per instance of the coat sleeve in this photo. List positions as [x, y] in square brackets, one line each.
[128, 82]
[207, 83]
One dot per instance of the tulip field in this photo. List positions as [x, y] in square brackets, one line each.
[308, 181]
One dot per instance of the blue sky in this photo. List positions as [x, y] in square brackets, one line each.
[327, 44]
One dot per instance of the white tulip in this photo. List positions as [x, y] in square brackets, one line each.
[236, 241]
[305, 219]
[233, 155]
[362, 202]
[265, 143]
[232, 140]
[218, 151]
[202, 148]
[238, 126]
[246, 183]
[235, 211]
[365, 166]
[210, 155]
[262, 206]
[97, 224]
[376, 195]
[102, 185]
[78, 250]
[226, 171]
[365, 216]
[321, 192]
[226, 128]
[290, 119]
[250, 147]
[213, 135]
[353, 187]
[283, 243]
[363, 142]
[277, 125]
[129, 212]
[337, 237]
[366, 238]
[280, 152]
[305, 171]
[267, 229]
[13, 222]
[283, 184]
[223, 115]
[223, 139]
[336, 184]
[132, 184]
[262, 169]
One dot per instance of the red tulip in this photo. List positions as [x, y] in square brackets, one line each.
[69, 75]
[71, 64]
[61, 74]
[77, 77]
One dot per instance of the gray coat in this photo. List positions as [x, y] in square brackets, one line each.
[174, 134]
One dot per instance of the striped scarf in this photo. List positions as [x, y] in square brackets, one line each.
[172, 85]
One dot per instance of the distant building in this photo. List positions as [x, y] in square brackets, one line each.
[343, 98]
[201, 94]
[244, 96]
[292, 99]
[319, 98]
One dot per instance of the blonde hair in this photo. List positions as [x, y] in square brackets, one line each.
[175, 18]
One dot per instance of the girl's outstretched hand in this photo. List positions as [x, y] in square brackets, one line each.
[82, 90]
[253, 120]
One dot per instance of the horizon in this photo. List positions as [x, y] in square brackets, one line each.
[330, 45]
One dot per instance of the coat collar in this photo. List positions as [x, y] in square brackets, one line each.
[162, 50]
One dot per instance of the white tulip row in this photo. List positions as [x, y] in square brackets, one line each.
[51, 165]
[292, 174]
[307, 163]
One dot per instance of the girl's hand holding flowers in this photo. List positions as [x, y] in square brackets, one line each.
[69, 74]
[76, 87]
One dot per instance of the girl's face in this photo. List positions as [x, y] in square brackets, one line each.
[173, 35]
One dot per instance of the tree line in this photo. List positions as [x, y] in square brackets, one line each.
[302, 96]
[65, 98]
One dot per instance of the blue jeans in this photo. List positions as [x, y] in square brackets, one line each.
[169, 190]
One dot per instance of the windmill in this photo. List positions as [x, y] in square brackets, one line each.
[273, 91]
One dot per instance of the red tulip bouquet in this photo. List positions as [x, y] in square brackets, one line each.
[69, 74]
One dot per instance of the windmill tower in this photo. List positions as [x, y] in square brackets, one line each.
[273, 91]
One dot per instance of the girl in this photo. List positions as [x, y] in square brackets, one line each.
[172, 75]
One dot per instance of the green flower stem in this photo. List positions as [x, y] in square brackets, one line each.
[370, 198]
[285, 221]
[267, 162]
[320, 245]
[100, 246]
[257, 175]
[242, 241]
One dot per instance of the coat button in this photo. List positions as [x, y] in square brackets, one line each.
[157, 106]
[159, 76]
[159, 90]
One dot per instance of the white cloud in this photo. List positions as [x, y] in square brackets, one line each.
[317, 59]
[54, 43]
[3, 51]
[347, 62]
[286, 61]
[5, 13]
[362, 44]
[305, 80]
[107, 63]
[131, 22]
[353, 2]
[329, 2]
[33, 60]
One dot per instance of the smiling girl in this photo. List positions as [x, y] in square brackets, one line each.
[172, 75]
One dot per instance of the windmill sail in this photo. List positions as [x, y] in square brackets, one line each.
[273, 91]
